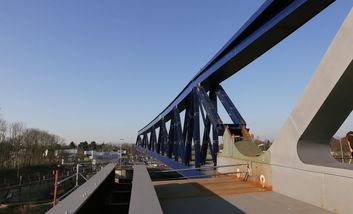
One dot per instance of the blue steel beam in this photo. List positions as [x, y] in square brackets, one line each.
[163, 137]
[270, 24]
[143, 141]
[153, 139]
[188, 146]
[188, 131]
[170, 147]
[178, 136]
[230, 107]
[172, 164]
[215, 133]
[158, 145]
[203, 115]
[138, 140]
[196, 127]
[205, 140]
[150, 141]
[210, 109]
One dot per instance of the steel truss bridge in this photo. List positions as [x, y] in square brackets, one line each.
[269, 25]
[297, 166]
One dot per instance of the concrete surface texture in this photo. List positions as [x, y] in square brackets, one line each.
[225, 194]
[299, 163]
[73, 202]
[246, 150]
[260, 171]
[302, 166]
[143, 196]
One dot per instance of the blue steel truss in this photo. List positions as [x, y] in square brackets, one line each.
[269, 25]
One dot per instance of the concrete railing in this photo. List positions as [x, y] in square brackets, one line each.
[79, 200]
[143, 195]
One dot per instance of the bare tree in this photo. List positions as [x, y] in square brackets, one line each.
[16, 131]
[20, 146]
[16, 135]
[3, 130]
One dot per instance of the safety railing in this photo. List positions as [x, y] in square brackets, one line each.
[205, 168]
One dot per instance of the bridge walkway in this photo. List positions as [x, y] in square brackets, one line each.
[225, 194]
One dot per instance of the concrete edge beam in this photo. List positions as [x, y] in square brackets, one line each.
[143, 195]
[73, 202]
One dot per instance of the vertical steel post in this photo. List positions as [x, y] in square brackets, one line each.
[149, 142]
[158, 146]
[145, 139]
[164, 136]
[171, 139]
[196, 127]
[178, 136]
[188, 147]
[77, 171]
[205, 138]
[55, 186]
[185, 131]
[174, 133]
[188, 130]
[153, 138]
[205, 141]
[215, 144]
[138, 141]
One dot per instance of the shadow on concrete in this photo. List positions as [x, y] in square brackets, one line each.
[192, 198]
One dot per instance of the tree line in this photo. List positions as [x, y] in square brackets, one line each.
[21, 146]
[102, 147]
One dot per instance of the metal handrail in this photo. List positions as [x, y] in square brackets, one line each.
[212, 167]
[67, 193]
[245, 178]
[65, 179]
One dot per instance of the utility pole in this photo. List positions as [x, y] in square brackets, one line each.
[121, 154]
[55, 186]
[77, 171]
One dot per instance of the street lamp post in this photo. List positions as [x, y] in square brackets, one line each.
[121, 154]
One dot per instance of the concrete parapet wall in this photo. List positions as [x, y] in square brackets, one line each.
[260, 173]
[302, 166]
[248, 153]
[299, 163]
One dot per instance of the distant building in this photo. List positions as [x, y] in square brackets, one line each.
[68, 155]
[103, 157]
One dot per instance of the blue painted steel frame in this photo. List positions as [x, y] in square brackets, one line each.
[269, 25]
[210, 109]
[275, 20]
[230, 107]
[172, 164]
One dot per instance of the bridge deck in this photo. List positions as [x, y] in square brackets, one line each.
[225, 195]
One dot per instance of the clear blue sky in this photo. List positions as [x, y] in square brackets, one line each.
[101, 70]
